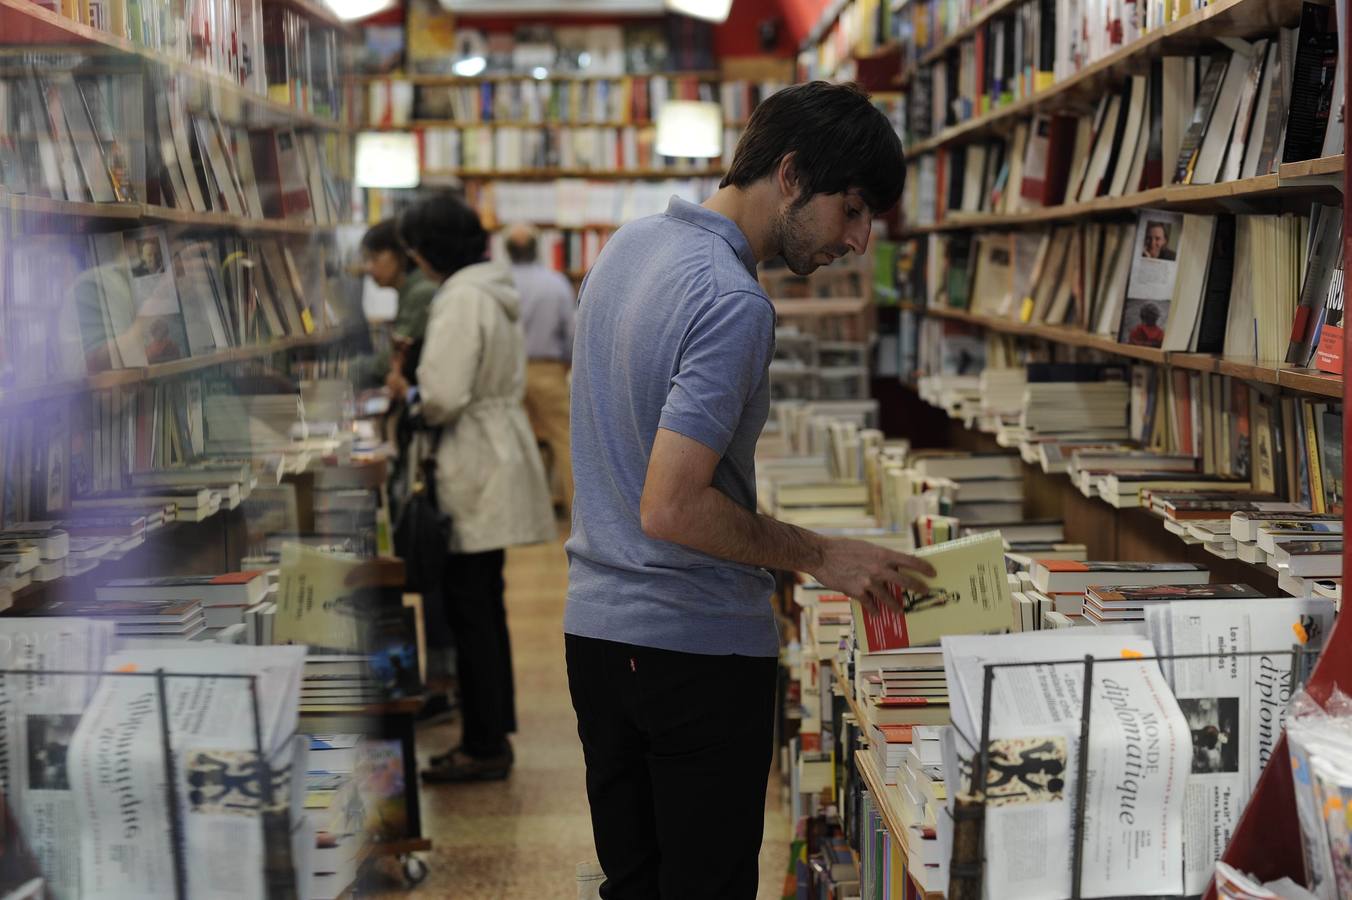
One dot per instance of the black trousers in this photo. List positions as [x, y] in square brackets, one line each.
[678, 749]
[474, 589]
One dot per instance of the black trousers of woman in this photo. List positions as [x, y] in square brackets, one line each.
[477, 616]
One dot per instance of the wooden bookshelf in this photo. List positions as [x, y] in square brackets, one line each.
[990, 11]
[1285, 375]
[890, 809]
[1130, 533]
[24, 23]
[416, 124]
[1300, 180]
[882, 51]
[593, 174]
[19, 397]
[476, 80]
[1226, 18]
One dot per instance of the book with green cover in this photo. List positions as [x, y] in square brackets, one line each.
[969, 594]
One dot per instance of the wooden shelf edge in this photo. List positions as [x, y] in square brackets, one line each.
[863, 761]
[23, 396]
[1306, 381]
[435, 80]
[147, 212]
[589, 174]
[1324, 165]
[422, 124]
[978, 19]
[1169, 196]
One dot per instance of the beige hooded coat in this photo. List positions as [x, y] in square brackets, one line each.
[471, 379]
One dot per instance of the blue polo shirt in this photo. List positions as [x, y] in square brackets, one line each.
[673, 331]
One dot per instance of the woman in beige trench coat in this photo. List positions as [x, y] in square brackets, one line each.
[490, 480]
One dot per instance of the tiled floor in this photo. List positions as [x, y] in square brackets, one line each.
[520, 839]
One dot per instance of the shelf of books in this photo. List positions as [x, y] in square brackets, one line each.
[178, 448]
[850, 36]
[1118, 298]
[299, 82]
[1051, 68]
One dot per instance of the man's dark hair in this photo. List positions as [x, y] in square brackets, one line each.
[384, 236]
[839, 139]
[522, 251]
[445, 232]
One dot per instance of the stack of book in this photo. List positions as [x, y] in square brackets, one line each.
[244, 423]
[224, 598]
[184, 504]
[889, 744]
[339, 681]
[333, 811]
[1064, 582]
[138, 623]
[832, 504]
[898, 676]
[825, 619]
[920, 782]
[990, 485]
[1069, 398]
[1128, 603]
[52, 546]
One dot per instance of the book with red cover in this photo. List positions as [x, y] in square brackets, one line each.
[968, 594]
[1329, 356]
[1047, 160]
[896, 734]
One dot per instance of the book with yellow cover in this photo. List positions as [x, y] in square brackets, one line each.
[969, 594]
[315, 603]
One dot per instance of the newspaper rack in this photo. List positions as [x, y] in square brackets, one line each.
[968, 864]
[278, 878]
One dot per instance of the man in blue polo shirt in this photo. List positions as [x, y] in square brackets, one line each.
[670, 638]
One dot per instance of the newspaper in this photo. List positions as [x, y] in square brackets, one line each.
[119, 772]
[1138, 756]
[38, 716]
[1235, 706]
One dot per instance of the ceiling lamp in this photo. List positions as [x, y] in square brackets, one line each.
[708, 10]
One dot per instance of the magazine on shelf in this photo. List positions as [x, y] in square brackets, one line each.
[1138, 746]
[1234, 705]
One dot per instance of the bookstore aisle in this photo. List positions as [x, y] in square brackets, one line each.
[522, 838]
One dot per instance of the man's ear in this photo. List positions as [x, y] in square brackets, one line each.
[787, 178]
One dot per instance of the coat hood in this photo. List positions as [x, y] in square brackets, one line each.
[496, 280]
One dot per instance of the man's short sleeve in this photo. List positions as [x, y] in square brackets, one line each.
[724, 356]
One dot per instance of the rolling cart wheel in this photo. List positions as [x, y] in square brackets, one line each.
[415, 870]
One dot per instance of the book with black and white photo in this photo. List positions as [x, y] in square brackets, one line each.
[1150, 284]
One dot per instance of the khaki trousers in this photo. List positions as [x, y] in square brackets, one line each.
[547, 407]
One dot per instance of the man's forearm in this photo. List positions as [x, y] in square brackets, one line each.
[712, 523]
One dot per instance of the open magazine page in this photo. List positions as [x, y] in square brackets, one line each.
[1138, 755]
[1235, 706]
[119, 774]
[38, 716]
